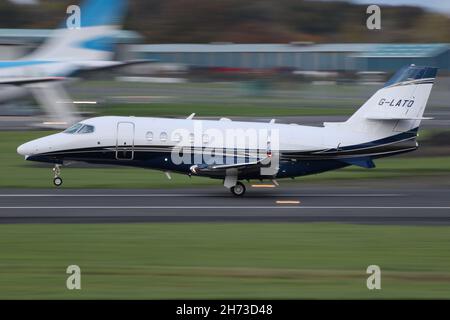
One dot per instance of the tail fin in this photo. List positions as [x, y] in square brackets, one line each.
[398, 106]
[94, 41]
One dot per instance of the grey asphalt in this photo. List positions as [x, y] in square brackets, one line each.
[345, 204]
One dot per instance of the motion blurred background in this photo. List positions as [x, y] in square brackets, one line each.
[229, 58]
[298, 61]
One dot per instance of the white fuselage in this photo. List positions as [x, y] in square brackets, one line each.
[211, 148]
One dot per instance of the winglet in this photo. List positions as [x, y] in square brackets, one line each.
[191, 116]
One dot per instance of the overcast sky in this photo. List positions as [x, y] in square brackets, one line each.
[442, 6]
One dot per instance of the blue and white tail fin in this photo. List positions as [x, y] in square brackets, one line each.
[94, 41]
[398, 106]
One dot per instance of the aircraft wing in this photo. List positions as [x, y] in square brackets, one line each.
[208, 170]
[28, 80]
[243, 165]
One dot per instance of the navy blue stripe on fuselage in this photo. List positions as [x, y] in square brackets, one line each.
[388, 140]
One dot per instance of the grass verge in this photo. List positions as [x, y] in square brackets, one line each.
[155, 261]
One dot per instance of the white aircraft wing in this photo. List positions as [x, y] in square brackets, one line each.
[241, 167]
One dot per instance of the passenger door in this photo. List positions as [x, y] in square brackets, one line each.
[125, 141]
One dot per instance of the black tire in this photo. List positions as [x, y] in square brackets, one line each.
[238, 190]
[57, 181]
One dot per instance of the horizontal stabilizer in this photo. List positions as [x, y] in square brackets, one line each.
[387, 118]
[360, 162]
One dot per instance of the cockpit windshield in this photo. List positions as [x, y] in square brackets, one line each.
[80, 128]
[86, 129]
[73, 129]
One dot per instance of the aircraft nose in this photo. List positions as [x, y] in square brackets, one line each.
[25, 149]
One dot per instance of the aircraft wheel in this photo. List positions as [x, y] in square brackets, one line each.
[57, 181]
[238, 189]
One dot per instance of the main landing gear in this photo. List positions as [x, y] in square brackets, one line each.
[57, 181]
[238, 189]
[231, 182]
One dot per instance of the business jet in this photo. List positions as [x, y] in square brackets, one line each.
[68, 52]
[386, 125]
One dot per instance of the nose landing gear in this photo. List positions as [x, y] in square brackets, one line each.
[57, 181]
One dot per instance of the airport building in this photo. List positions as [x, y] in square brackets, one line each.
[301, 56]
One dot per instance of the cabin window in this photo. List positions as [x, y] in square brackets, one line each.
[176, 137]
[191, 138]
[163, 136]
[87, 129]
[205, 138]
[149, 136]
[73, 128]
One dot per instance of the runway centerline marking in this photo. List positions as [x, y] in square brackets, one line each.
[288, 202]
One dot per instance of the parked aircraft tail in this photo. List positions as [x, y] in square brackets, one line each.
[398, 106]
[93, 41]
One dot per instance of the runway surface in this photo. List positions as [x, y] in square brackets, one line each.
[405, 205]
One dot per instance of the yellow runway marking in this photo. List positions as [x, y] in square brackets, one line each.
[263, 186]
